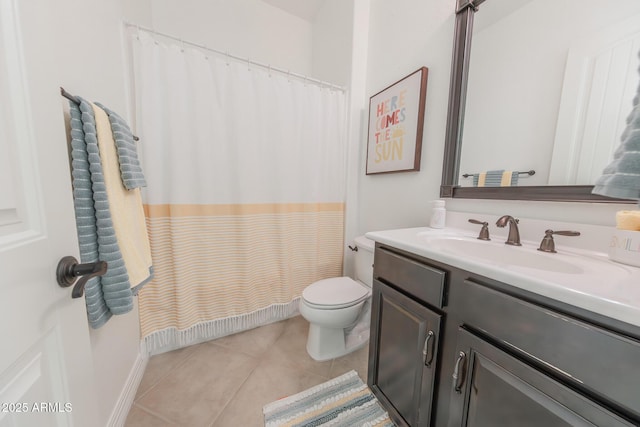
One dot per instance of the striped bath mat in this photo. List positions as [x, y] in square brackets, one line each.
[344, 401]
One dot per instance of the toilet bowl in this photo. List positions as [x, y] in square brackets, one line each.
[339, 309]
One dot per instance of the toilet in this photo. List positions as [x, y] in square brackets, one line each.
[339, 309]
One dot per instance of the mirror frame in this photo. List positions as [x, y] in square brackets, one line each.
[465, 10]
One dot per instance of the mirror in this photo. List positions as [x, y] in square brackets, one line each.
[561, 115]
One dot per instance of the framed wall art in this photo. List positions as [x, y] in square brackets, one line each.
[396, 121]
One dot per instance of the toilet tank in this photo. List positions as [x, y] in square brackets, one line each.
[364, 260]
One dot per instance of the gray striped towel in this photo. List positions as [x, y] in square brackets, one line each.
[132, 176]
[494, 178]
[111, 293]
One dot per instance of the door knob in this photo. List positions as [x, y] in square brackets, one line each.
[69, 270]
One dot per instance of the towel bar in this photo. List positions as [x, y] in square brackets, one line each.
[529, 172]
[73, 98]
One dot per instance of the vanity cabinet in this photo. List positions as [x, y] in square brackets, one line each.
[492, 388]
[405, 335]
[453, 348]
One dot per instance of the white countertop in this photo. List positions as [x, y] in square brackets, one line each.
[603, 286]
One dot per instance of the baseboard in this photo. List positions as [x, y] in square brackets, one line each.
[125, 401]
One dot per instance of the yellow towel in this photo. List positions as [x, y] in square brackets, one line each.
[482, 177]
[506, 179]
[127, 213]
[628, 220]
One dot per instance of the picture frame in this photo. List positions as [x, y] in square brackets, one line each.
[396, 123]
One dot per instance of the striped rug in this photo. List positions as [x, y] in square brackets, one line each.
[344, 401]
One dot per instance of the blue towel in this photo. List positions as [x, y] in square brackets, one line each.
[494, 178]
[132, 176]
[514, 178]
[111, 293]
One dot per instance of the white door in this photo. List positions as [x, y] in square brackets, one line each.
[46, 372]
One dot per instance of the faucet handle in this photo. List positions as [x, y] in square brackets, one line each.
[484, 231]
[565, 233]
[548, 245]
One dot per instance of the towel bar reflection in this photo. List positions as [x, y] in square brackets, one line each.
[73, 98]
[529, 172]
[69, 270]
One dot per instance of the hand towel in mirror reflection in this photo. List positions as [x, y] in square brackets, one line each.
[496, 178]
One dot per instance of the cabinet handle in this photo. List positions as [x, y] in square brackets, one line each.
[459, 372]
[427, 347]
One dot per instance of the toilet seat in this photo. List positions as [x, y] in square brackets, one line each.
[335, 293]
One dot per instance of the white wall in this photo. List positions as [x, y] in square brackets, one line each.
[332, 42]
[246, 28]
[358, 102]
[78, 45]
[403, 37]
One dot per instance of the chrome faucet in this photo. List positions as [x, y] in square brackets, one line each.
[514, 234]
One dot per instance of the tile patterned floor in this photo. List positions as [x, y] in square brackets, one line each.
[226, 382]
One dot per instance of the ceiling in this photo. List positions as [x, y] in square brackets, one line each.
[305, 9]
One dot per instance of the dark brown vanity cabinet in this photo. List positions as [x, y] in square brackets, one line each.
[405, 334]
[453, 348]
[492, 388]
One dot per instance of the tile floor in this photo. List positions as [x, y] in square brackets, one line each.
[226, 382]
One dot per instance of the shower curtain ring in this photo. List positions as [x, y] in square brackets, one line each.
[181, 45]
[248, 64]
[227, 56]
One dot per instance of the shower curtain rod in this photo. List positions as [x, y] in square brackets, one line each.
[247, 60]
[75, 99]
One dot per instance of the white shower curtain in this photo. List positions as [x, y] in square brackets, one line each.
[246, 188]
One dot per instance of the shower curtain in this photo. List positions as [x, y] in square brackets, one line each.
[246, 188]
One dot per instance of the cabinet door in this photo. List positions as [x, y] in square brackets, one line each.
[492, 388]
[403, 355]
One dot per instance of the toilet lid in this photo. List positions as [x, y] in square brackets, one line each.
[337, 291]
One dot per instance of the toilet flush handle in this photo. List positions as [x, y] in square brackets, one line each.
[353, 248]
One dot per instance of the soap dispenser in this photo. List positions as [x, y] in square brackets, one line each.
[438, 214]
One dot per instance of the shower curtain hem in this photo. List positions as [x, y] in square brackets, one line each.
[172, 339]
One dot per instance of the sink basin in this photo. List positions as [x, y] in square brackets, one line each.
[501, 254]
[574, 276]
[570, 269]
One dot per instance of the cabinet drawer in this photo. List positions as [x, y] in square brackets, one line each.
[419, 280]
[600, 362]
